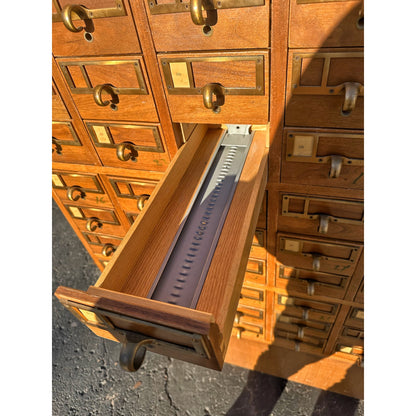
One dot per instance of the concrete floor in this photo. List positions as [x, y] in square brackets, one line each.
[87, 380]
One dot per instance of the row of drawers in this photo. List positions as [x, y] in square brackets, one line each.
[96, 27]
[324, 88]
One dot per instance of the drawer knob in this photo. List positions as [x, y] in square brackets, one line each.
[336, 165]
[58, 147]
[82, 12]
[323, 223]
[141, 201]
[108, 250]
[133, 354]
[239, 331]
[109, 89]
[208, 93]
[316, 262]
[352, 90]
[93, 223]
[237, 317]
[196, 7]
[75, 192]
[132, 153]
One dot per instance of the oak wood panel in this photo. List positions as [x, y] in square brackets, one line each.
[233, 30]
[110, 34]
[329, 24]
[59, 111]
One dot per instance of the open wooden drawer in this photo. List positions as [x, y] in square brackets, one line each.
[126, 305]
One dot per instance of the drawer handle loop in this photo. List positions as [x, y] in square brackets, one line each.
[196, 7]
[75, 192]
[108, 250]
[239, 331]
[82, 12]
[132, 152]
[133, 354]
[311, 288]
[316, 262]
[237, 317]
[352, 90]
[58, 147]
[300, 333]
[336, 165]
[209, 91]
[109, 89]
[305, 314]
[93, 223]
[323, 223]
[142, 200]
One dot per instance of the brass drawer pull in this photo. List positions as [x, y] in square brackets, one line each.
[196, 7]
[352, 90]
[82, 12]
[305, 313]
[123, 156]
[108, 250]
[323, 223]
[141, 201]
[336, 165]
[316, 262]
[75, 192]
[109, 89]
[133, 354]
[239, 331]
[209, 91]
[93, 223]
[311, 288]
[300, 333]
[58, 147]
[237, 317]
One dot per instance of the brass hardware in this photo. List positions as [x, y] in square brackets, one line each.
[297, 346]
[237, 317]
[311, 288]
[141, 201]
[239, 331]
[305, 313]
[301, 332]
[58, 142]
[132, 354]
[180, 6]
[207, 94]
[196, 7]
[336, 165]
[352, 89]
[259, 89]
[108, 250]
[316, 262]
[109, 89]
[75, 192]
[323, 223]
[93, 223]
[124, 157]
[58, 147]
[82, 12]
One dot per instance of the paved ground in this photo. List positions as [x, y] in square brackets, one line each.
[87, 379]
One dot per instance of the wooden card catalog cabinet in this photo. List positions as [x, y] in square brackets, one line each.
[179, 25]
[93, 27]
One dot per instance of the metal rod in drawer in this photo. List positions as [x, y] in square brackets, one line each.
[182, 277]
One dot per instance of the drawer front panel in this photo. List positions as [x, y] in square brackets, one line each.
[103, 245]
[355, 318]
[316, 255]
[325, 89]
[256, 272]
[208, 88]
[85, 189]
[325, 158]
[292, 281]
[59, 111]
[315, 24]
[133, 146]
[291, 342]
[249, 323]
[96, 220]
[229, 25]
[132, 195]
[67, 146]
[98, 27]
[321, 216]
[252, 296]
[110, 88]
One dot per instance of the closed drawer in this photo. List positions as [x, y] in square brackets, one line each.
[97, 220]
[231, 87]
[256, 272]
[355, 318]
[67, 146]
[132, 145]
[98, 27]
[249, 323]
[245, 330]
[140, 300]
[59, 111]
[325, 158]
[359, 297]
[315, 23]
[83, 189]
[317, 255]
[299, 282]
[179, 25]
[258, 247]
[132, 195]
[307, 310]
[325, 89]
[300, 328]
[322, 216]
[110, 88]
[291, 342]
[252, 296]
[101, 244]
